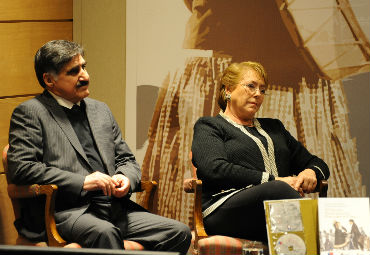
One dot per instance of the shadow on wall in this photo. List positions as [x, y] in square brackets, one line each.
[357, 91]
[145, 104]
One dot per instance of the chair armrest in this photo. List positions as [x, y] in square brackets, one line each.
[149, 187]
[23, 191]
[198, 216]
[323, 188]
[27, 191]
[188, 185]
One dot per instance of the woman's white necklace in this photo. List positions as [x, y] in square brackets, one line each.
[268, 156]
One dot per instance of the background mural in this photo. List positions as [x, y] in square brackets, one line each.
[317, 57]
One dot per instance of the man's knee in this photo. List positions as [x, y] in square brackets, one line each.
[181, 238]
[106, 236]
[184, 231]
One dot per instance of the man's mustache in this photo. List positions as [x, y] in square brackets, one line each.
[82, 83]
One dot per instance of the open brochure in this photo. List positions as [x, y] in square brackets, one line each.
[344, 226]
[292, 226]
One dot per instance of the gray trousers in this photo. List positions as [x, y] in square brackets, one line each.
[106, 226]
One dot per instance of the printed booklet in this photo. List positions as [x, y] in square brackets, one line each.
[344, 226]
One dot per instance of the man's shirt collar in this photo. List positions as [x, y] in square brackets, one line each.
[63, 102]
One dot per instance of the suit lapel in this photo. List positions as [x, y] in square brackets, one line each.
[60, 117]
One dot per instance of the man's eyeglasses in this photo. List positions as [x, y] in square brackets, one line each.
[253, 88]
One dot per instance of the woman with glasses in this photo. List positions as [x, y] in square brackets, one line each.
[243, 160]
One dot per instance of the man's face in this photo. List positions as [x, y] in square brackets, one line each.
[72, 82]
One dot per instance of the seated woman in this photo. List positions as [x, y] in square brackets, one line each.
[243, 160]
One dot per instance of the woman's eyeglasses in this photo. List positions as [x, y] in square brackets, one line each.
[253, 88]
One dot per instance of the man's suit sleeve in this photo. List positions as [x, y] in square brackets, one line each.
[125, 161]
[26, 152]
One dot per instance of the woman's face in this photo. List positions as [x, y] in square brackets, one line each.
[247, 96]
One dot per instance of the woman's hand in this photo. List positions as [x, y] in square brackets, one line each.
[292, 181]
[306, 180]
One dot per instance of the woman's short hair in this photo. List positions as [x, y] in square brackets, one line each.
[53, 56]
[232, 75]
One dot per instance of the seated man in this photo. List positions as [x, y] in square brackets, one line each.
[62, 137]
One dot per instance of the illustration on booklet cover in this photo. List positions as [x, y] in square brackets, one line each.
[344, 226]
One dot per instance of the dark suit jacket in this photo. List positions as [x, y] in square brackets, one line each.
[226, 158]
[44, 149]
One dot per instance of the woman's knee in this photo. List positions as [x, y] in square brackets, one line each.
[282, 190]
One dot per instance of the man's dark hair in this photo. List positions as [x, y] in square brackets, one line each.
[53, 56]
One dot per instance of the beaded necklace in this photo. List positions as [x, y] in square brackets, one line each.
[268, 157]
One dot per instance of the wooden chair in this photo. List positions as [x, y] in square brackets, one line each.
[17, 192]
[217, 244]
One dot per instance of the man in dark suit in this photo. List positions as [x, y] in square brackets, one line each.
[356, 236]
[63, 137]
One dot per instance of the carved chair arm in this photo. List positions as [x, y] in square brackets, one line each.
[149, 187]
[27, 191]
[323, 188]
[198, 217]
